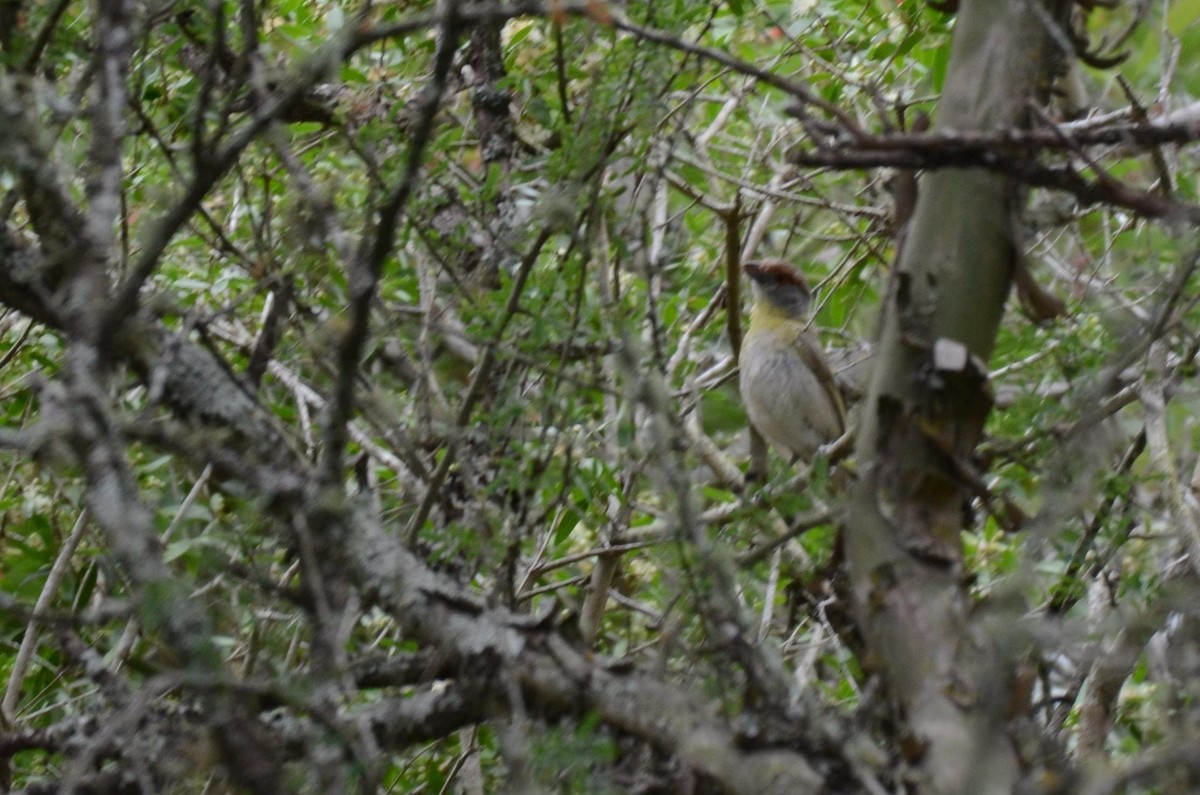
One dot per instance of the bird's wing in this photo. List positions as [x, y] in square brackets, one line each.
[808, 349]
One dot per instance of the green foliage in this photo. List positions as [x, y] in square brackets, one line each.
[633, 160]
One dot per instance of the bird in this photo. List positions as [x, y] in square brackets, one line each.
[787, 387]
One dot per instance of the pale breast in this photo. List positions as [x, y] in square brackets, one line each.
[786, 400]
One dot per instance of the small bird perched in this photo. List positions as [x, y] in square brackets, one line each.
[789, 391]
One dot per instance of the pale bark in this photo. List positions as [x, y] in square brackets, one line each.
[926, 407]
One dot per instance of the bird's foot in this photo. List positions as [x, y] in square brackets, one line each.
[839, 448]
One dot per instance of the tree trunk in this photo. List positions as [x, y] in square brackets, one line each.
[926, 407]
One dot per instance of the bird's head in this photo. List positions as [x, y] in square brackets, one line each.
[779, 287]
